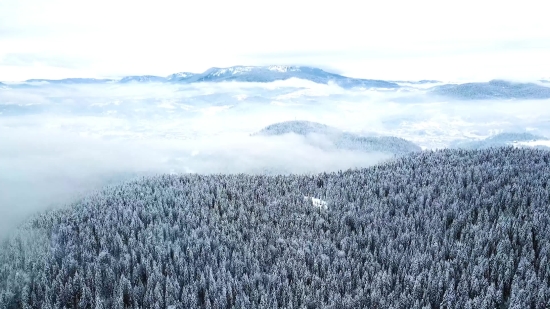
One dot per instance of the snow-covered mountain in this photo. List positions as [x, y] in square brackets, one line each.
[142, 79]
[260, 74]
[341, 140]
[70, 81]
[180, 77]
[274, 73]
[417, 82]
[494, 89]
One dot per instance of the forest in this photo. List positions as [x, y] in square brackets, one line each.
[452, 228]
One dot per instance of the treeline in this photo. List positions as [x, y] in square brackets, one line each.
[445, 229]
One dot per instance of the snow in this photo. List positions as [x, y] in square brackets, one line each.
[232, 71]
[182, 74]
[219, 72]
[282, 68]
[319, 203]
[245, 69]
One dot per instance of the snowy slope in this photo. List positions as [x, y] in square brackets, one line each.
[142, 79]
[180, 76]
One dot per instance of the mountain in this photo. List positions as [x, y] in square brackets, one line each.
[417, 82]
[180, 77]
[260, 74]
[494, 89]
[142, 79]
[503, 139]
[444, 229]
[341, 140]
[274, 73]
[70, 81]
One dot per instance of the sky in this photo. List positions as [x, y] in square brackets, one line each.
[398, 40]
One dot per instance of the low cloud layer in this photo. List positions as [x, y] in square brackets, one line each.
[60, 142]
[49, 168]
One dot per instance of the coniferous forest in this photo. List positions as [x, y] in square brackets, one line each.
[443, 229]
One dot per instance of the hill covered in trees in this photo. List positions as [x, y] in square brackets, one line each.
[494, 89]
[445, 229]
[338, 139]
[500, 140]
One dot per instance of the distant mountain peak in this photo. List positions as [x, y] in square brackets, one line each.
[181, 74]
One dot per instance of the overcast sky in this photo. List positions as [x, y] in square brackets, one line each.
[421, 39]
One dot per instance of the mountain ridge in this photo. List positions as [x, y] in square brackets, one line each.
[260, 74]
[494, 89]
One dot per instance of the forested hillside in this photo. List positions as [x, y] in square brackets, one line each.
[445, 229]
[342, 140]
[494, 89]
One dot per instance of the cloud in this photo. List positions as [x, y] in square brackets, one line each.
[59, 142]
[45, 168]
